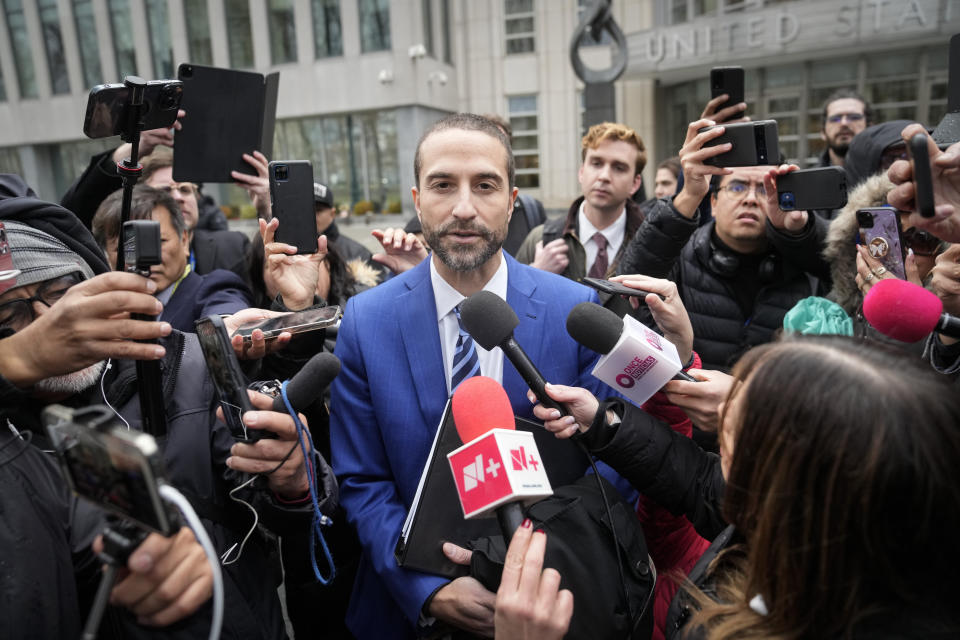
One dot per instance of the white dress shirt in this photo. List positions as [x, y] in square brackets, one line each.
[613, 233]
[447, 298]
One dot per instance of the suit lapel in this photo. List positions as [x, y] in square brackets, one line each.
[421, 342]
[529, 334]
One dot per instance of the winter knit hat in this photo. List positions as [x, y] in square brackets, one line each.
[37, 256]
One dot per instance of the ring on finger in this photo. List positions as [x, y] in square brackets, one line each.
[879, 272]
[868, 277]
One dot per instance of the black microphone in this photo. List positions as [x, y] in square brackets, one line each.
[599, 329]
[490, 321]
[310, 382]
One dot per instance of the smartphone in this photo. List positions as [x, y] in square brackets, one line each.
[754, 143]
[614, 288]
[922, 176]
[880, 233]
[730, 81]
[291, 199]
[118, 469]
[809, 189]
[227, 378]
[107, 107]
[294, 322]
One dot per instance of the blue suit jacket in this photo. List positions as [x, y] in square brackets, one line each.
[386, 406]
[198, 296]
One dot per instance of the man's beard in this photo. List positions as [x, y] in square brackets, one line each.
[840, 147]
[71, 382]
[464, 257]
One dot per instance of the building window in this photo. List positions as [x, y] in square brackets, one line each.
[158, 26]
[20, 42]
[374, 25]
[427, 14]
[283, 31]
[199, 47]
[121, 27]
[525, 140]
[53, 43]
[327, 37]
[445, 26]
[89, 43]
[355, 155]
[239, 36]
[10, 161]
[519, 26]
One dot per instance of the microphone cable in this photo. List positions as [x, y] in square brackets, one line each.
[174, 497]
[319, 520]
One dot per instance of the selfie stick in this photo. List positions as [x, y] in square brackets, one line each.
[148, 372]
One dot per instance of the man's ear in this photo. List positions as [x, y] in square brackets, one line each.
[513, 201]
[637, 181]
[416, 200]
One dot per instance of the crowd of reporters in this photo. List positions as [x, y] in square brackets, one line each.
[817, 498]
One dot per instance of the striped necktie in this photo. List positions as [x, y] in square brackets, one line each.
[465, 361]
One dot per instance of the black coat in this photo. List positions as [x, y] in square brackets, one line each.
[668, 245]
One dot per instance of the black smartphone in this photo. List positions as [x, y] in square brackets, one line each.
[730, 81]
[294, 322]
[809, 189]
[880, 233]
[922, 176]
[291, 200]
[116, 468]
[227, 377]
[107, 107]
[614, 288]
[754, 144]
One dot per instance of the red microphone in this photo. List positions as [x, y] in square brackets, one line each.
[498, 467]
[903, 311]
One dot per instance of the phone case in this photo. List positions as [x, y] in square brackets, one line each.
[294, 322]
[808, 189]
[227, 377]
[105, 107]
[230, 113]
[880, 234]
[754, 143]
[922, 177]
[730, 81]
[614, 288]
[292, 203]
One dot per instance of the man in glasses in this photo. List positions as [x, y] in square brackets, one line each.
[731, 273]
[845, 114]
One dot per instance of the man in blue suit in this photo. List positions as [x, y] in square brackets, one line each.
[397, 344]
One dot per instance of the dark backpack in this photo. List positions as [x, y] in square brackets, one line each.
[580, 547]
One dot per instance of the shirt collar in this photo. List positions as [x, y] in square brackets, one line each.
[613, 233]
[447, 297]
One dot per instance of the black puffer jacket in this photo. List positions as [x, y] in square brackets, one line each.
[671, 246]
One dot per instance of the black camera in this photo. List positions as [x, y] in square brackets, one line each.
[108, 108]
[141, 246]
[281, 172]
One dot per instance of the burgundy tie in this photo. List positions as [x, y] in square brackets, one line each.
[599, 268]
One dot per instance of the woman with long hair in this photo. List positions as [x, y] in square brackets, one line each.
[838, 478]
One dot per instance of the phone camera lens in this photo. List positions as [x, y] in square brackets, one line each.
[281, 172]
[186, 71]
[787, 200]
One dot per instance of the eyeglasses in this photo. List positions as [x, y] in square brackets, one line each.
[850, 117]
[18, 313]
[923, 243]
[185, 188]
[738, 189]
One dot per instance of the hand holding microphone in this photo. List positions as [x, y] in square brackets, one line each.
[667, 310]
[581, 404]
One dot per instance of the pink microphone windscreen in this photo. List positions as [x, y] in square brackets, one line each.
[481, 404]
[901, 310]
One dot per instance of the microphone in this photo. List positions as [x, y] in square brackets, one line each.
[498, 467]
[308, 383]
[636, 360]
[490, 321]
[903, 311]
